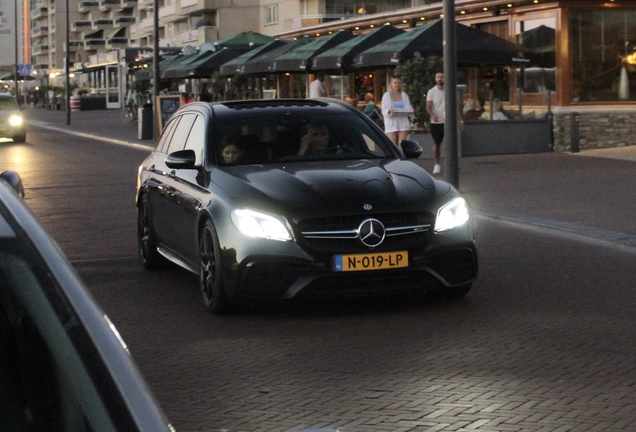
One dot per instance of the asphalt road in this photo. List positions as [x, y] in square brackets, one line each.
[544, 342]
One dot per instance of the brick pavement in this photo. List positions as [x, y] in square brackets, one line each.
[540, 345]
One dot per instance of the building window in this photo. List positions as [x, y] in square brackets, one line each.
[538, 35]
[271, 14]
[364, 7]
[603, 55]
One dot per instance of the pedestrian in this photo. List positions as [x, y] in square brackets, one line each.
[497, 110]
[185, 98]
[472, 110]
[317, 87]
[352, 101]
[396, 109]
[371, 110]
[205, 95]
[436, 108]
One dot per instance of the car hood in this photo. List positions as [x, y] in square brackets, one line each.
[386, 185]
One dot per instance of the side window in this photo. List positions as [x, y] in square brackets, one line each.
[162, 145]
[196, 139]
[181, 132]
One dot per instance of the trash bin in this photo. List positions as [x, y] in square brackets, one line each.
[144, 122]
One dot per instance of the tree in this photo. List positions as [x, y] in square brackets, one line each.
[417, 77]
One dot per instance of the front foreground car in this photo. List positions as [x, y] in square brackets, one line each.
[63, 365]
[298, 198]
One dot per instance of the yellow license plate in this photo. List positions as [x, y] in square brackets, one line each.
[371, 261]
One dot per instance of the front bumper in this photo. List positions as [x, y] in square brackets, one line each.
[282, 279]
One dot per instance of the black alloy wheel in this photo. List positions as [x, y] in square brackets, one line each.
[20, 138]
[210, 279]
[150, 257]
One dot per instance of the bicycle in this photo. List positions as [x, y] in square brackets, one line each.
[129, 112]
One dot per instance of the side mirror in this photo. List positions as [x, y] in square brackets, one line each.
[13, 179]
[182, 159]
[411, 149]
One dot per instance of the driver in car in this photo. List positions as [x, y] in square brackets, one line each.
[315, 141]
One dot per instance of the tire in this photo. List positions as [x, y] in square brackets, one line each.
[210, 278]
[20, 138]
[150, 257]
[457, 292]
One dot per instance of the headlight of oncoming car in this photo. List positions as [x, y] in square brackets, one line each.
[452, 215]
[255, 224]
[15, 120]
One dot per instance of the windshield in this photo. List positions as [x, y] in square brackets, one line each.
[290, 136]
[8, 104]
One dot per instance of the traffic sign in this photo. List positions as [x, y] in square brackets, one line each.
[24, 70]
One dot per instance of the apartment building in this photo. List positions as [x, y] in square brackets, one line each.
[101, 26]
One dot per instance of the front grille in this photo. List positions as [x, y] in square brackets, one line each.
[340, 233]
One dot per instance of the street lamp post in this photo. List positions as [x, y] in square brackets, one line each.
[66, 67]
[155, 70]
[451, 158]
[17, 95]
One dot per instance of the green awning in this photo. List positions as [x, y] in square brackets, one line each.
[236, 66]
[245, 40]
[299, 60]
[341, 56]
[118, 32]
[266, 62]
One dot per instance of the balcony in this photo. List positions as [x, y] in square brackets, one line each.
[189, 37]
[127, 3]
[106, 5]
[189, 7]
[81, 25]
[117, 42]
[166, 11]
[40, 49]
[103, 23]
[39, 31]
[39, 12]
[87, 6]
[146, 23]
[74, 45]
[125, 21]
[93, 44]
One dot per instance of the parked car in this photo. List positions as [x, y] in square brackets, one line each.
[277, 199]
[63, 365]
[12, 123]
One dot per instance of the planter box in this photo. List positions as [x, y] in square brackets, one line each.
[506, 137]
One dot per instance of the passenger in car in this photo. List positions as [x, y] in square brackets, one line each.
[315, 141]
[231, 151]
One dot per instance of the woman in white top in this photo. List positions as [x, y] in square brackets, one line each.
[396, 109]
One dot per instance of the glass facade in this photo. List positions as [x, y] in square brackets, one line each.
[364, 7]
[603, 55]
[538, 35]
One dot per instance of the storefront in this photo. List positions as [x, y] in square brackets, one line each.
[584, 69]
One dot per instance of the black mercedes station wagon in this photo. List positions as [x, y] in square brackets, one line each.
[281, 199]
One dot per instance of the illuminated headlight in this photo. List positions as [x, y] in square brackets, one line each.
[452, 215]
[255, 224]
[15, 120]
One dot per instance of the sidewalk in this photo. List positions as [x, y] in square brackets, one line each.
[97, 124]
[591, 193]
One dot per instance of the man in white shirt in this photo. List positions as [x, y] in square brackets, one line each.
[317, 86]
[436, 108]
